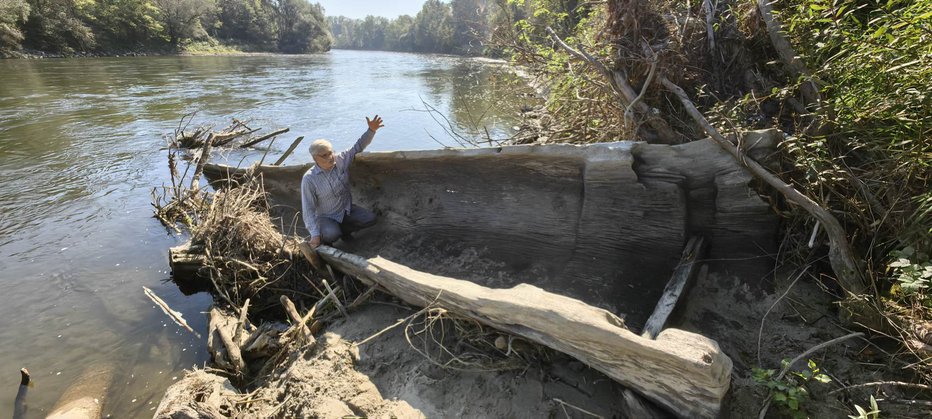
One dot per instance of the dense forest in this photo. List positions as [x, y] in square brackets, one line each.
[458, 27]
[112, 26]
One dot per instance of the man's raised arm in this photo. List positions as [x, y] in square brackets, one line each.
[364, 140]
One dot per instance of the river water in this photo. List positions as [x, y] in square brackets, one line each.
[82, 146]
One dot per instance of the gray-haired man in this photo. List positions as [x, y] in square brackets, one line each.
[326, 201]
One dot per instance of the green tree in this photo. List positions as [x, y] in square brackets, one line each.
[181, 19]
[57, 25]
[302, 27]
[123, 23]
[12, 14]
[251, 22]
[398, 34]
[433, 28]
[470, 25]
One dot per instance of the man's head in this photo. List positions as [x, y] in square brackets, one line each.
[322, 152]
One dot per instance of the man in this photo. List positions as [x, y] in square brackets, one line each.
[326, 202]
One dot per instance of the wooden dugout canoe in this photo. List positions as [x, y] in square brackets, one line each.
[569, 246]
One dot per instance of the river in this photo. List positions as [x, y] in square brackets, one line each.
[82, 144]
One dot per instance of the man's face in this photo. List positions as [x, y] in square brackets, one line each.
[325, 159]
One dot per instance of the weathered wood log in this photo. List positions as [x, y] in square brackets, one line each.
[671, 293]
[264, 137]
[221, 326]
[288, 152]
[682, 371]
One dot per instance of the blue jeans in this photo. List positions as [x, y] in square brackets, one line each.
[357, 219]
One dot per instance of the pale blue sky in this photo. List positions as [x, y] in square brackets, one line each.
[358, 9]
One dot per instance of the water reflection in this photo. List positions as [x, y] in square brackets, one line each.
[80, 150]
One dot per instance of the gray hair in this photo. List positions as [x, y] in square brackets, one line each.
[319, 146]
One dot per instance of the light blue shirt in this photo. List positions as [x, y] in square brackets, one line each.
[327, 193]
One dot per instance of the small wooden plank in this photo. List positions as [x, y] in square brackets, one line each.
[684, 271]
[681, 371]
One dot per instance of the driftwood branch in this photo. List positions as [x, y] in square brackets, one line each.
[219, 323]
[201, 159]
[226, 137]
[174, 315]
[620, 86]
[842, 257]
[264, 137]
[786, 368]
[787, 54]
[288, 151]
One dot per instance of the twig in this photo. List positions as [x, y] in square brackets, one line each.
[264, 137]
[884, 383]
[296, 318]
[288, 151]
[563, 403]
[760, 332]
[620, 86]
[815, 232]
[398, 323]
[333, 297]
[908, 402]
[786, 368]
[242, 321]
[174, 315]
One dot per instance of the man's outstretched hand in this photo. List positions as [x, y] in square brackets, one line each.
[374, 123]
[315, 241]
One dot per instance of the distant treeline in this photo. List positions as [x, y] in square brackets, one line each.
[72, 26]
[459, 27]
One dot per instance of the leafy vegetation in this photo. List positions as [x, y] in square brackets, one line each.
[863, 413]
[791, 391]
[75, 26]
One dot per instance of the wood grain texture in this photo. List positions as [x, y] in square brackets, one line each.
[682, 371]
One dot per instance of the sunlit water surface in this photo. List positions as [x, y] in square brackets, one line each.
[82, 145]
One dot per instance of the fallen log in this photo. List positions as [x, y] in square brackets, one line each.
[682, 371]
[219, 336]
